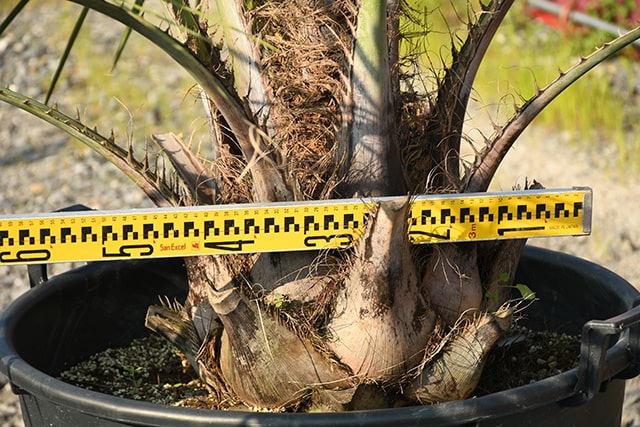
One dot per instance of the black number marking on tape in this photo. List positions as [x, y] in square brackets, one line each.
[231, 246]
[445, 236]
[503, 231]
[125, 251]
[26, 256]
[346, 240]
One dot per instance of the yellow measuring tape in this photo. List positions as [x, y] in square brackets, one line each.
[291, 226]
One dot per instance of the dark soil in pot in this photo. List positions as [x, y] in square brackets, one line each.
[150, 369]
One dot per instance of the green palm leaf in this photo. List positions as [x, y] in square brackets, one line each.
[125, 37]
[67, 50]
[12, 15]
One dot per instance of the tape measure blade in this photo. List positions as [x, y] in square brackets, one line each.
[278, 227]
[495, 216]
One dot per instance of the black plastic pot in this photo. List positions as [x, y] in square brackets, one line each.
[102, 305]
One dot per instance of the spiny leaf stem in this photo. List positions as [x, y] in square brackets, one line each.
[157, 190]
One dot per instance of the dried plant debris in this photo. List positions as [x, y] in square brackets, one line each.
[308, 62]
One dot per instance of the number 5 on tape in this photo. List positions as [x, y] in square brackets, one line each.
[313, 225]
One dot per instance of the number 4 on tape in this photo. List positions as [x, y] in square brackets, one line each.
[313, 225]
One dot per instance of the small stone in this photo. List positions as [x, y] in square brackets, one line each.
[36, 188]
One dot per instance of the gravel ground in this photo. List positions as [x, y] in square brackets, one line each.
[43, 171]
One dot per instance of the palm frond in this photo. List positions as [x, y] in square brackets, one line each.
[372, 136]
[448, 114]
[201, 182]
[497, 148]
[193, 27]
[246, 70]
[151, 182]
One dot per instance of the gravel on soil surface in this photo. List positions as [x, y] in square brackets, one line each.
[42, 170]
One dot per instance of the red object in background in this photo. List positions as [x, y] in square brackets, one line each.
[561, 20]
[556, 21]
